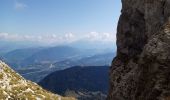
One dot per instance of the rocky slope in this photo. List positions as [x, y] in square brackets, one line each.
[15, 87]
[141, 68]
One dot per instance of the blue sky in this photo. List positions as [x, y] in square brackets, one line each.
[59, 20]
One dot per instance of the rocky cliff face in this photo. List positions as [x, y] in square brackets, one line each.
[15, 87]
[141, 69]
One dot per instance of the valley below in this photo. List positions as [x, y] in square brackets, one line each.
[64, 70]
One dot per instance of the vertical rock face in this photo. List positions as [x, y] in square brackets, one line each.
[141, 69]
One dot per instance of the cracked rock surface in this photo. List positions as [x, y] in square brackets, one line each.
[141, 69]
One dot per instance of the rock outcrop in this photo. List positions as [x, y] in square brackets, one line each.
[141, 69]
[15, 87]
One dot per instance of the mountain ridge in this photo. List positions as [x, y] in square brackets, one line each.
[14, 86]
[84, 82]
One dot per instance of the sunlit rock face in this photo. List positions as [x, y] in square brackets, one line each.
[15, 87]
[141, 69]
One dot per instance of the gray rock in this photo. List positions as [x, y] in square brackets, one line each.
[141, 69]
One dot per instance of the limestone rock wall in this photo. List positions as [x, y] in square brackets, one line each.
[141, 69]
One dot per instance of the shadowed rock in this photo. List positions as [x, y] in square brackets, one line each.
[141, 69]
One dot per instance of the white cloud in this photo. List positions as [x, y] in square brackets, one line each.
[93, 36]
[70, 37]
[59, 39]
[104, 37]
[6, 36]
[19, 5]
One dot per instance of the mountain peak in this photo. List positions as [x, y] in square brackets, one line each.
[14, 86]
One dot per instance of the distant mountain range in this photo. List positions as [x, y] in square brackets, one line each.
[51, 54]
[91, 81]
[8, 46]
[35, 63]
[15, 57]
[37, 72]
[93, 60]
[88, 82]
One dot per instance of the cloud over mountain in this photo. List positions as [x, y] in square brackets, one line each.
[59, 39]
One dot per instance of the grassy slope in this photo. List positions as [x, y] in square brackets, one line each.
[13, 86]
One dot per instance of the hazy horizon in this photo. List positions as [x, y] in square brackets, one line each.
[58, 22]
[75, 38]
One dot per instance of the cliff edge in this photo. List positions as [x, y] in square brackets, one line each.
[141, 69]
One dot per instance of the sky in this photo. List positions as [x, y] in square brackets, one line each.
[59, 21]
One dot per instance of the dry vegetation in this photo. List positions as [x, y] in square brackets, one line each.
[15, 87]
